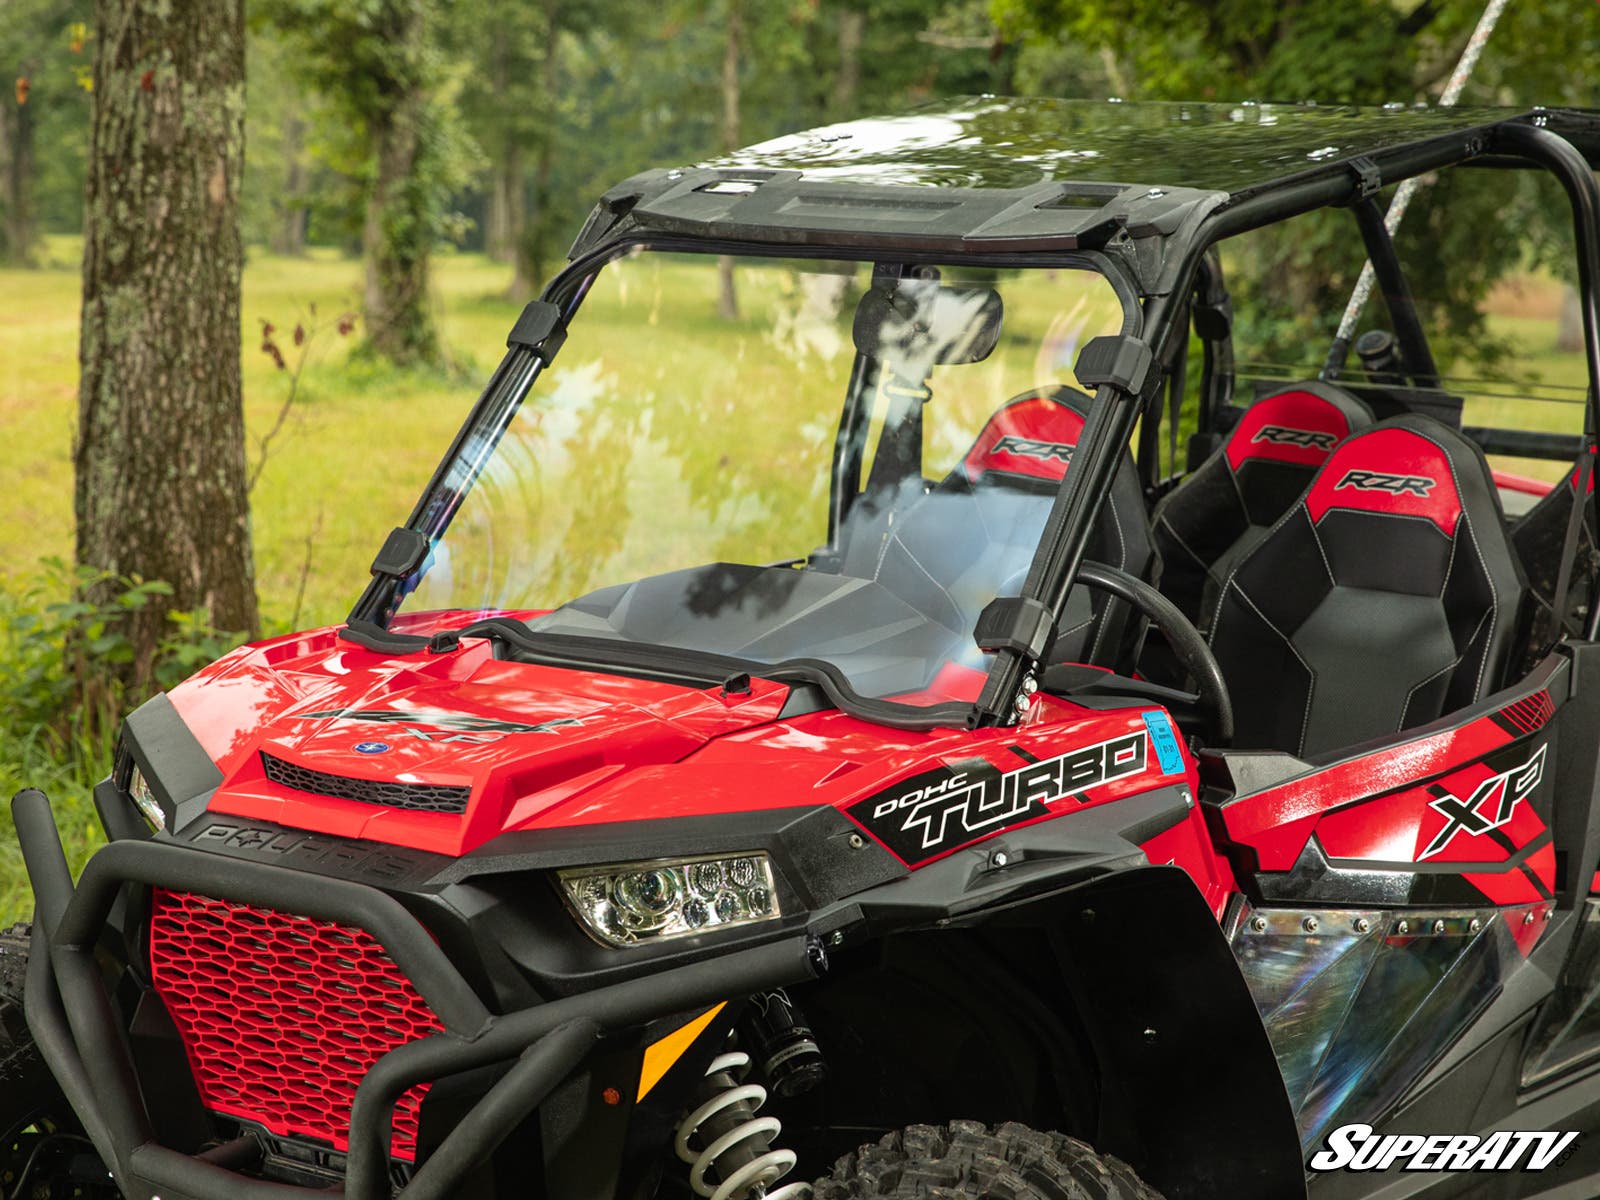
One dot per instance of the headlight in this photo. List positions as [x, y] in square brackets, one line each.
[628, 903]
[144, 800]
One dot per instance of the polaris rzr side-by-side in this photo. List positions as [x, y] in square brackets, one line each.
[822, 722]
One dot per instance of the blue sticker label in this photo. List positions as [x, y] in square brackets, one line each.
[1165, 741]
[383, 747]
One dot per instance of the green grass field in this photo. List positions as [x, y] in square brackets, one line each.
[362, 439]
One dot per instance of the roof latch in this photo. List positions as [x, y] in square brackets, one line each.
[1368, 177]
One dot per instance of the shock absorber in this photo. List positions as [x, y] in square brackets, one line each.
[728, 1148]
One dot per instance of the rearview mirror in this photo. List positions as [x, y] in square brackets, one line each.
[914, 325]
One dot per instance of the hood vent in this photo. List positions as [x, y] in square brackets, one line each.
[418, 797]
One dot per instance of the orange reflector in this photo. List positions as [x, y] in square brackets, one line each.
[659, 1056]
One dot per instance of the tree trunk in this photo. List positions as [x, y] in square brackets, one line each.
[533, 234]
[846, 85]
[291, 235]
[160, 460]
[17, 231]
[727, 295]
[1569, 334]
[502, 226]
[396, 238]
[506, 213]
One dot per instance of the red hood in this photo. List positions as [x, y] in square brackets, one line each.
[528, 747]
[525, 739]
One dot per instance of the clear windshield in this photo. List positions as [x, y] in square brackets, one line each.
[773, 459]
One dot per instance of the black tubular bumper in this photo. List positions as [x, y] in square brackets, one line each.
[81, 1038]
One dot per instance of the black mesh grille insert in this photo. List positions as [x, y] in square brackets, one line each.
[420, 797]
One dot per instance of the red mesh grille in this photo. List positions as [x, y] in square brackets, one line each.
[282, 1015]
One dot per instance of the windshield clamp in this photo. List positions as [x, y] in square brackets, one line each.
[538, 329]
[1015, 623]
[1116, 361]
[402, 553]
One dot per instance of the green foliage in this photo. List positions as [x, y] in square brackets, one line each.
[60, 709]
[44, 115]
[57, 645]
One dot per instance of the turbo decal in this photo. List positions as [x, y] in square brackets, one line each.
[1032, 448]
[469, 729]
[1282, 435]
[926, 815]
[1492, 804]
[1379, 481]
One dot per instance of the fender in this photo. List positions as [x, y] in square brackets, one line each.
[1149, 984]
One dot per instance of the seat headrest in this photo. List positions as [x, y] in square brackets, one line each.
[1300, 424]
[1033, 435]
[1393, 469]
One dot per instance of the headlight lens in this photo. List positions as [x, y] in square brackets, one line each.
[145, 801]
[628, 903]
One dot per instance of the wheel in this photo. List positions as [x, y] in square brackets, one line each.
[43, 1153]
[965, 1161]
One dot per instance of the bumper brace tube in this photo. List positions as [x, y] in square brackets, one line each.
[77, 1032]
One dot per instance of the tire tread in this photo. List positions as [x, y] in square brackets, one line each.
[965, 1160]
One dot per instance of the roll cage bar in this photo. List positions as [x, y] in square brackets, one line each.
[1126, 372]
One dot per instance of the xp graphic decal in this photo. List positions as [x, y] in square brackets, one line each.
[1033, 448]
[1380, 481]
[927, 815]
[1282, 435]
[461, 727]
[1491, 806]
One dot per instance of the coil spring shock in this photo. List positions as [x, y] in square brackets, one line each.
[734, 1141]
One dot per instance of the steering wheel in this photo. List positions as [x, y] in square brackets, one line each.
[1188, 645]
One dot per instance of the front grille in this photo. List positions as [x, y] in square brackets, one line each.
[281, 1016]
[419, 797]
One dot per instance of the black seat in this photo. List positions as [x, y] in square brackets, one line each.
[974, 533]
[1206, 524]
[1387, 596]
[1540, 536]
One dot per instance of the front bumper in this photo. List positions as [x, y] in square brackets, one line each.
[81, 1037]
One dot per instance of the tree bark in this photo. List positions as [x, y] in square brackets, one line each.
[727, 294]
[160, 460]
[18, 230]
[397, 235]
[1569, 334]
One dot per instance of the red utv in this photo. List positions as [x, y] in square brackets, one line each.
[812, 726]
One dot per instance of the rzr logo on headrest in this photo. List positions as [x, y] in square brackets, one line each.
[1030, 448]
[1378, 481]
[1282, 435]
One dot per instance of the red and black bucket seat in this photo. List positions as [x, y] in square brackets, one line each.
[1222, 508]
[1388, 596]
